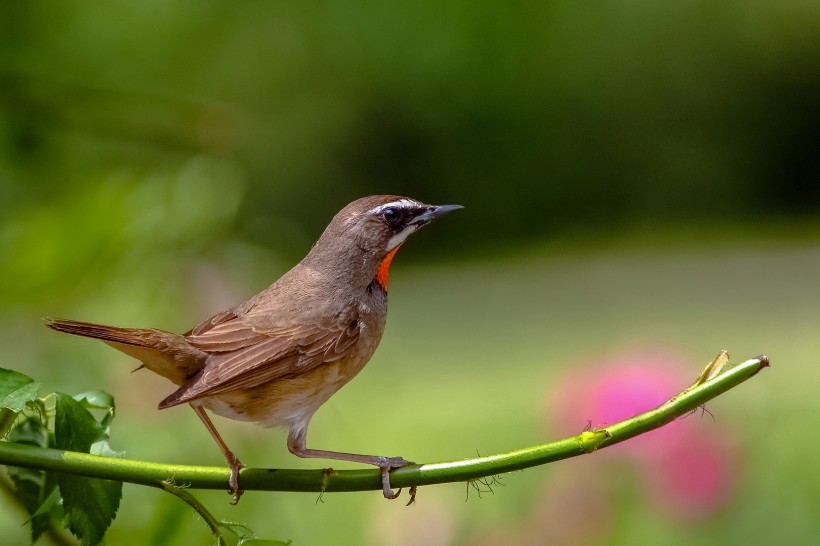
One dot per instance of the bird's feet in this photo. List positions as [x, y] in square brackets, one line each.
[386, 464]
[233, 482]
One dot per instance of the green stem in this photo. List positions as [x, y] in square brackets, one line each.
[199, 508]
[709, 386]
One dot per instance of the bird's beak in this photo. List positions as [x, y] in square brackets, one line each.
[434, 212]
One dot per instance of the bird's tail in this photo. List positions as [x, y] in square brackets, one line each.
[128, 336]
[167, 354]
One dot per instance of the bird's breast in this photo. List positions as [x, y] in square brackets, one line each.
[292, 400]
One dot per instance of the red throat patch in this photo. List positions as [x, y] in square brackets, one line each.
[384, 268]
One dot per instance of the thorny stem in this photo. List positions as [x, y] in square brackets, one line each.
[198, 507]
[718, 378]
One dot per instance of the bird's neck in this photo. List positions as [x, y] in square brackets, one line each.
[351, 265]
[384, 268]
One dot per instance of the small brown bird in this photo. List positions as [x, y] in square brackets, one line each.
[276, 358]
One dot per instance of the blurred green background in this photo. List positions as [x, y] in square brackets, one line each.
[642, 188]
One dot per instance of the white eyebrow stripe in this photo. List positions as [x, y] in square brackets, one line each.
[400, 204]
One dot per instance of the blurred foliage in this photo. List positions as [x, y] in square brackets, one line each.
[160, 161]
[540, 116]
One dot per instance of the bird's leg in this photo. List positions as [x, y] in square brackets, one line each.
[233, 462]
[297, 440]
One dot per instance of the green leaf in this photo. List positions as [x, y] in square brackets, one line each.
[75, 428]
[99, 400]
[36, 490]
[16, 390]
[50, 511]
[28, 483]
[95, 400]
[7, 418]
[90, 504]
[32, 431]
[103, 448]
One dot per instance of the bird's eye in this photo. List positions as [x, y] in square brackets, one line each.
[392, 216]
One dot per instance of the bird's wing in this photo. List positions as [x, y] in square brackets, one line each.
[209, 324]
[226, 333]
[242, 357]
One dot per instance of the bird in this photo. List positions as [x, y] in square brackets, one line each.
[275, 358]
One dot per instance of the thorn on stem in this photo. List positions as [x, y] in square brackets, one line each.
[703, 411]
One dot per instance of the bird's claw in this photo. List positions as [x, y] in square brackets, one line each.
[389, 463]
[386, 489]
[234, 488]
[413, 489]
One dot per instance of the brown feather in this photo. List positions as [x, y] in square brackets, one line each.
[215, 320]
[164, 353]
[227, 337]
[264, 358]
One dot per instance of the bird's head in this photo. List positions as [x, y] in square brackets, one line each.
[363, 237]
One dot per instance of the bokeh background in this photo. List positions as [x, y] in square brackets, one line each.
[642, 189]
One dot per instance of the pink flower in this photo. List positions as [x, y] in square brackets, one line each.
[686, 467]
